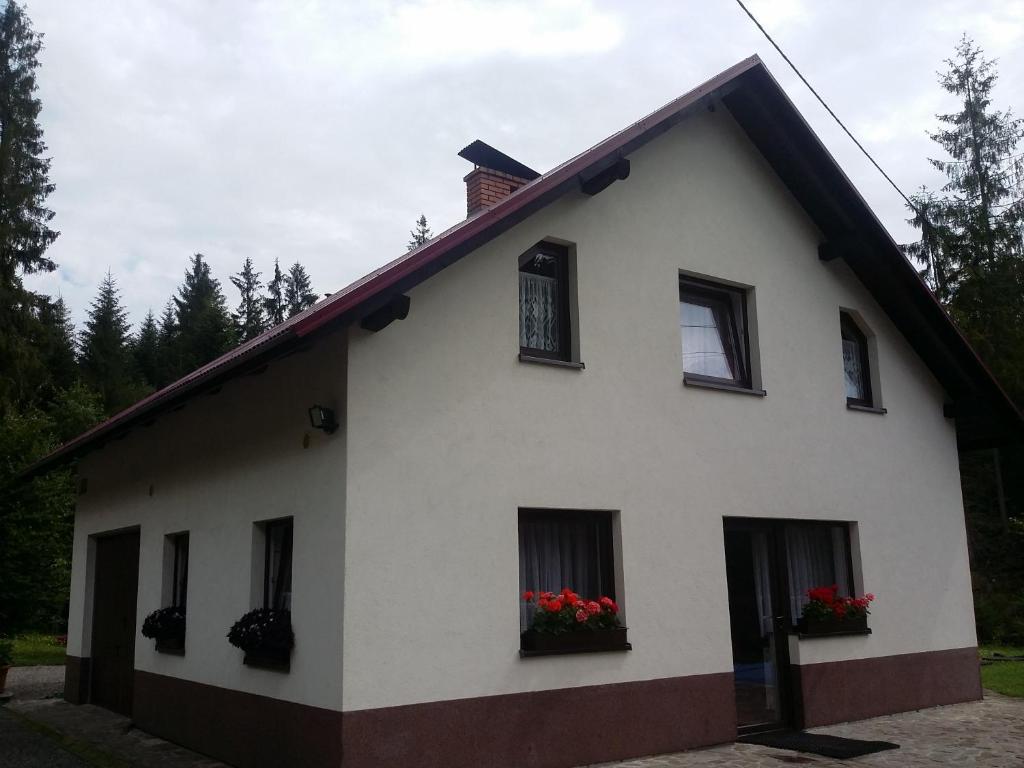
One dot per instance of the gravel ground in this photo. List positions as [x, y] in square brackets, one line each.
[35, 682]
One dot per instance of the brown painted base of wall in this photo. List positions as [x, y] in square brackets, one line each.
[242, 729]
[834, 692]
[76, 679]
[546, 729]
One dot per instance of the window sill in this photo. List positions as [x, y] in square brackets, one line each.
[569, 651]
[550, 361]
[866, 408]
[839, 633]
[696, 380]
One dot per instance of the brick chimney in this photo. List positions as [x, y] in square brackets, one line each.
[486, 186]
[494, 177]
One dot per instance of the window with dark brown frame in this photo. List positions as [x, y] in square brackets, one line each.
[277, 570]
[544, 316]
[856, 364]
[565, 548]
[179, 574]
[713, 328]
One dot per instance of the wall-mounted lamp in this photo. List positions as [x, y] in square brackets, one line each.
[323, 418]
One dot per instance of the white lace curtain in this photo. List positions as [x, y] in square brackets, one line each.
[854, 373]
[538, 312]
[556, 553]
[816, 557]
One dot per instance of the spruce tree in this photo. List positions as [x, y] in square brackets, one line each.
[105, 355]
[146, 351]
[274, 303]
[204, 328]
[420, 234]
[972, 229]
[57, 344]
[168, 360]
[249, 319]
[298, 291]
[25, 233]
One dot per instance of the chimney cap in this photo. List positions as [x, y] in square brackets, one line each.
[482, 154]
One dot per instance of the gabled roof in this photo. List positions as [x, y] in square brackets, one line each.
[984, 413]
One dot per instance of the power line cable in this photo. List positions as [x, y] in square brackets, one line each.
[826, 106]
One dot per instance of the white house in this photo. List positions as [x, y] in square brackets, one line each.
[687, 369]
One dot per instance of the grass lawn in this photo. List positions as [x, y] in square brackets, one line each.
[30, 650]
[1006, 677]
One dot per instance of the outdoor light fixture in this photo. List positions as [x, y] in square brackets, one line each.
[322, 418]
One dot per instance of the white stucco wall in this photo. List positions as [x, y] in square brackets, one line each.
[216, 467]
[449, 434]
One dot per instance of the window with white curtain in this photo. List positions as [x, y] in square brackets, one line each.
[817, 555]
[544, 302]
[564, 548]
[856, 371]
[713, 329]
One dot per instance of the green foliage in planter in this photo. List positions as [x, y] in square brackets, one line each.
[263, 630]
[165, 624]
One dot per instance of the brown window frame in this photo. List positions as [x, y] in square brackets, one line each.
[851, 331]
[561, 255]
[735, 298]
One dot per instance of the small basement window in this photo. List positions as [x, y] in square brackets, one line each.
[544, 295]
[713, 328]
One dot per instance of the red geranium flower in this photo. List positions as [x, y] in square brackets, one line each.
[528, 596]
[593, 607]
[554, 606]
[581, 615]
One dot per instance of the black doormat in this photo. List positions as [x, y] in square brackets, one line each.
[818, 743]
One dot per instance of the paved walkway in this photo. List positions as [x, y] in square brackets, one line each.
[983, 734]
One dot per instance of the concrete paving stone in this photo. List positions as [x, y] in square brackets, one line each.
[977, 734]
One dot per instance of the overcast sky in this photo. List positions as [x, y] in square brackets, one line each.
[319, 131]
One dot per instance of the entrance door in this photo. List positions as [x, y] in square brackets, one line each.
[113, 621]
[758, 621]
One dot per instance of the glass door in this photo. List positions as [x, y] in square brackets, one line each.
[758, 623]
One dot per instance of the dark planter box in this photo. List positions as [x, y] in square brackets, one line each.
[834, 626]
[175, 645]
[584, 641]
[277, 659]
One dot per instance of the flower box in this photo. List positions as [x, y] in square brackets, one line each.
[578, 641]
[278, 659]
[175, 645]
[833, 625]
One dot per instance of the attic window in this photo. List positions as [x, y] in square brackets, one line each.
[713, 327]
[856, 364]
[544, 317]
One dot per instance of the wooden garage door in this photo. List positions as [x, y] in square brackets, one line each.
[113, 622]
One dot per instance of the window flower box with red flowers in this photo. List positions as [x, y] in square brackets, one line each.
[826, 613]
[567, 623]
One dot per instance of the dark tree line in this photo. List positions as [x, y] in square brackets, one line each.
[972, 248]
[56, 381]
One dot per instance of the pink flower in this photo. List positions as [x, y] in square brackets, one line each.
[581, 615]
[869, 597]
[593, 607]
